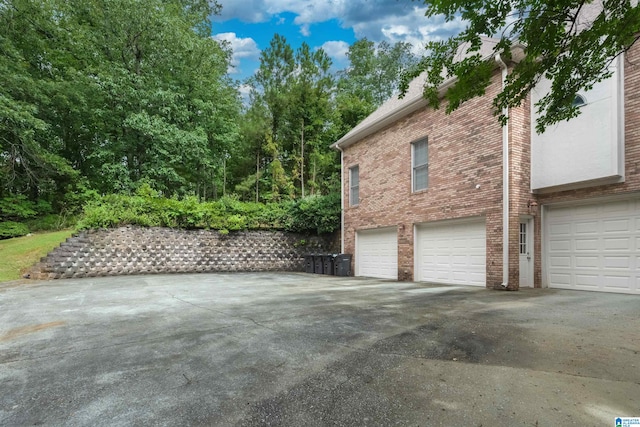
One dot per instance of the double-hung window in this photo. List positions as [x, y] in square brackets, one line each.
[354, 186]
[420, 165]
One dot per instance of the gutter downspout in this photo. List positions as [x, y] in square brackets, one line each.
[505, 184]
[341, 198]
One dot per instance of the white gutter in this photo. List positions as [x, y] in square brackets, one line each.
[505, 183]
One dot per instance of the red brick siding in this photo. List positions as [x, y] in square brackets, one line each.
[464, 150]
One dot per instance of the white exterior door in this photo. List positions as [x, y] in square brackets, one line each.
[525, 249]
[593, 247]
[451, 253]
[377, 253]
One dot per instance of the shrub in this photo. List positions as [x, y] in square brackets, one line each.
[319, 214]
[51, 222]
[9, 229]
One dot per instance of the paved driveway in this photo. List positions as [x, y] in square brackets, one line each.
[306, 350]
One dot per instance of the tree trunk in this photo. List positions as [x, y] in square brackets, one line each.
[302, 161]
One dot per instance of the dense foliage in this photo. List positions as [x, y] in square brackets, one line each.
[103, 99]
[111, 94]
[319, 214]
[298, 107]
[570, 42]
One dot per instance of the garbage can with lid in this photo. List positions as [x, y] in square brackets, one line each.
[317, 264]
[328, 263]
[308, 264]
[342, 265]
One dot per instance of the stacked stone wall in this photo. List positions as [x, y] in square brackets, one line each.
[132, 250]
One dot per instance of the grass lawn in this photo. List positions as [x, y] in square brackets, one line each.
[20, 253]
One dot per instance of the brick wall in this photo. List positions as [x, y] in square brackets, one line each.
[132, 250]
[465, 150]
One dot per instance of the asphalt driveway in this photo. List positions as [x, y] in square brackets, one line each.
[307, 350]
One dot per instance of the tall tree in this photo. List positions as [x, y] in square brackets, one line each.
[570, 42]
[124, 91]
[371, 78]
[293, 89]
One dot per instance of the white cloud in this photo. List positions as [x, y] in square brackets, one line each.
[246, 11]
[377, 20]
[242, 48]
[337, 50]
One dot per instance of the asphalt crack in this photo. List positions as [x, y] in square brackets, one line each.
[226, 314]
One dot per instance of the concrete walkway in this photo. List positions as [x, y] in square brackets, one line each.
[305, 350]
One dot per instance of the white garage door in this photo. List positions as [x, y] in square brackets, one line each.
[377, 253]
[594, 247]
[453, 253]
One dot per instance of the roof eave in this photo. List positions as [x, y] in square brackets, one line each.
[518, 53]
[413, 105]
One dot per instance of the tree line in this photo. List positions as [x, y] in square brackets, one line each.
[107, 96]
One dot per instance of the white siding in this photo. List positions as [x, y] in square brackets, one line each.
[587, 150]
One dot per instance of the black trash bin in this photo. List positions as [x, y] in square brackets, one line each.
[317, 264]
[327, 264]
[342, 265]
[308, 264]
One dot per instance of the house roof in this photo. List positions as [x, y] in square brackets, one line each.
[396, 108]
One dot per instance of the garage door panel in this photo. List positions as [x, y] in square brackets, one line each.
[561, 279]
[586, 227]
[623, 262]
[585, 280]
[594, 247]
[560, 245]
[587, 262]
[452, 253]
[586, 244]
[616, 226]
[617, 283]
[617, 243]
[377, 253]
[558, 230]
[560, 261]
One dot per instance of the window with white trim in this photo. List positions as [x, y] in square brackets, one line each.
[523, 238]
[420, 165]
[354, 185]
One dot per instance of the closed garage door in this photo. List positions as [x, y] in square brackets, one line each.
[594, 247]
[453, 253]
[377, 253]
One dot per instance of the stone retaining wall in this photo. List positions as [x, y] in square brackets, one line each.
[132, 250]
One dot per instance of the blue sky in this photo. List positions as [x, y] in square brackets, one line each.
[249, 25]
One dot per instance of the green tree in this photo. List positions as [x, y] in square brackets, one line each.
[288, 118]
[370, 79]
[121, 92]
[570, 42]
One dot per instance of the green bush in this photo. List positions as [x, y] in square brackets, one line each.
[321, 214]
[17, 207]
[9, 229]
[146, 208]
[51, 222]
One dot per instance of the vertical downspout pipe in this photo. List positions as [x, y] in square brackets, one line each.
[505, 183]
[341, 198]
